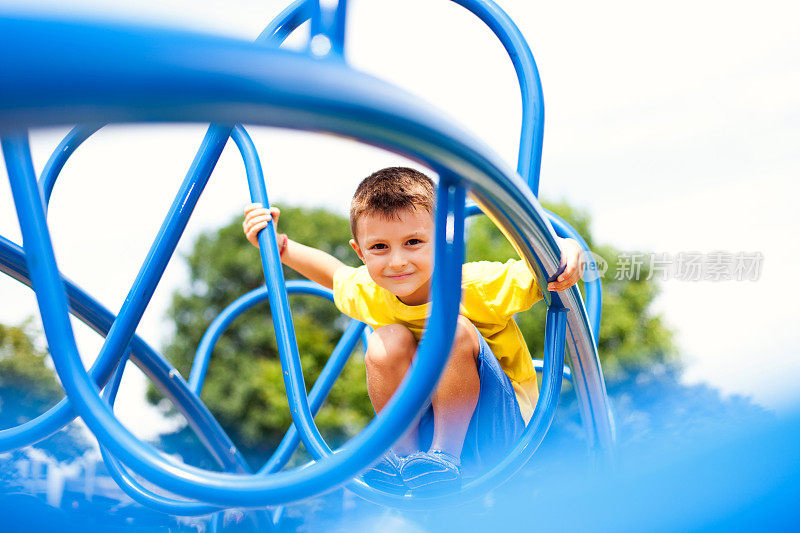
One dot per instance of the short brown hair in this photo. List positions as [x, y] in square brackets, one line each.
[389, 191]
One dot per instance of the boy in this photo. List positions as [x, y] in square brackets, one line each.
[487, 390]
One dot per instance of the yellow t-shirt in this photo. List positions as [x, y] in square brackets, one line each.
[492, 293]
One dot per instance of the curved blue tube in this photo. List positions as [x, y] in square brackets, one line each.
[236, 308]
[116, 341]
[529, 159]
[131, 485]
[279, 305]
[59, 157]
[355, 331]
[330, 24]
[285, 23]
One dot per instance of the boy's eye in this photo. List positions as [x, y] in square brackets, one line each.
[379, 246]
[414, 241]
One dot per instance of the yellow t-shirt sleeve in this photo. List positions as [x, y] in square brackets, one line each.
[509, 287]
[345, 292]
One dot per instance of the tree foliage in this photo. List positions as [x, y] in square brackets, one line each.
[28, 387]
[244, 387]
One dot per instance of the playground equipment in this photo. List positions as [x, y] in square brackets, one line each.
[114, 74]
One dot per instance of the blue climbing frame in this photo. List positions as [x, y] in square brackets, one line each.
[104, 74]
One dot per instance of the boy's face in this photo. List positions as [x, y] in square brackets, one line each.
[398, 253]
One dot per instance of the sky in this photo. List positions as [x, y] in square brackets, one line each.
[674, 126]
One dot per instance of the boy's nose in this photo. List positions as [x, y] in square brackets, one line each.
[398, 261]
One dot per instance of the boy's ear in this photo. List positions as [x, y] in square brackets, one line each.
[357, 249]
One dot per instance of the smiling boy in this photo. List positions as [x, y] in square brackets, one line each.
[487, 390]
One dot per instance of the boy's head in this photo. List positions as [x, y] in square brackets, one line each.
[389, 191]
[391, 218]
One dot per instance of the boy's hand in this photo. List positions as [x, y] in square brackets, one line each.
[571, 255]
[256, 219]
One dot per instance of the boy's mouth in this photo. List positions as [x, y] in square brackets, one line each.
[398, 277]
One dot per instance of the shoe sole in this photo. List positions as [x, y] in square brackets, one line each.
[420, 474]
[387, 479]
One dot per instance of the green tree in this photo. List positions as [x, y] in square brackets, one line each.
[244, 387]
[28, 387]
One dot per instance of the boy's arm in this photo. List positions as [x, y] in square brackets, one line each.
[314, 264]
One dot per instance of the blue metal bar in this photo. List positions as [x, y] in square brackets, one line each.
[234, 310]
[128, 483]
[43, 425]
[472, 210]
[328, 23]
[529, 159]
[279, 305]
[122, 329]
[322, 387]
[594, 288]
[323, 384]
[202, 356]
[166, 240]
[285, 23]
[591, 393]
[112, 387]
[131, 485]
[52, 169]
[59, 157]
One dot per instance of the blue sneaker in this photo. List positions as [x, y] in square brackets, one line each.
[431, 473]
[385, 474]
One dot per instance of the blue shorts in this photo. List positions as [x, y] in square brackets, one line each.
[496, 424]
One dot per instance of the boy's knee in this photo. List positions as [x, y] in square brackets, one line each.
[466, 339]
[389, 345]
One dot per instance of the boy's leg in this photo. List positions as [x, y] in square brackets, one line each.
[390, 350]
[456, 394]
[453, 401]
[389, 354]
